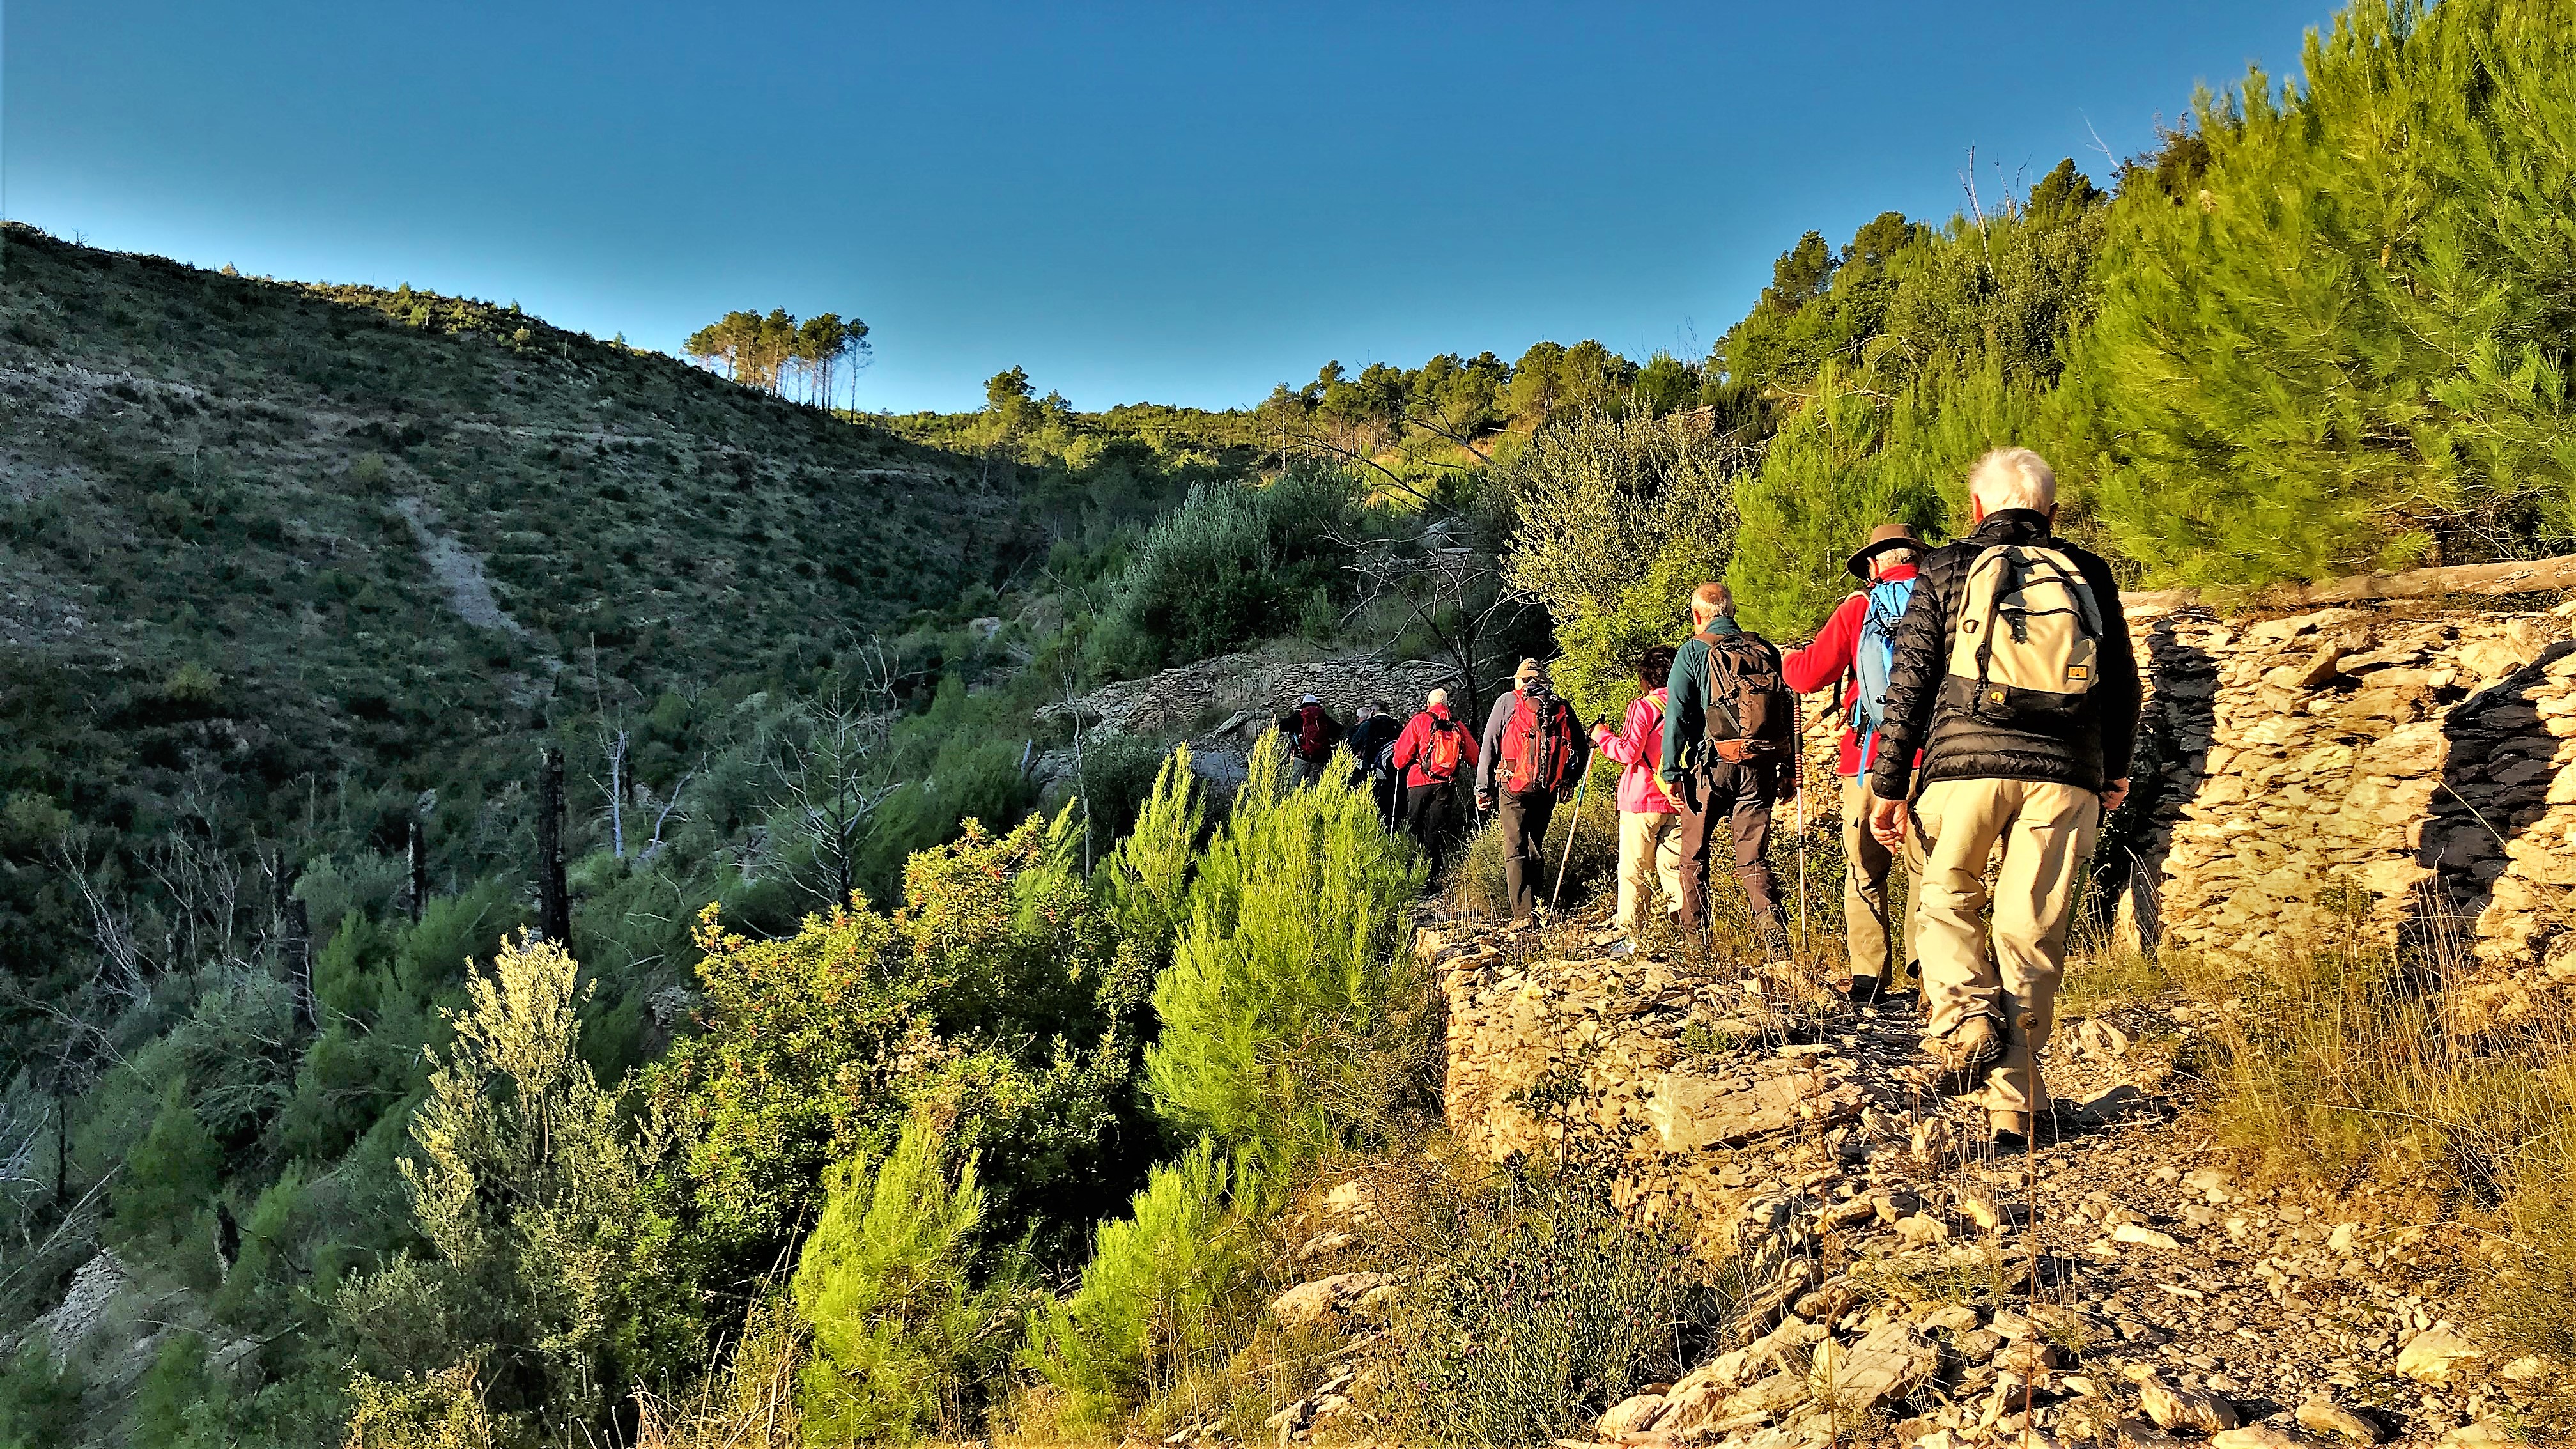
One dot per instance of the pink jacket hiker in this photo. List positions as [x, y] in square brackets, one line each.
[1639, 747]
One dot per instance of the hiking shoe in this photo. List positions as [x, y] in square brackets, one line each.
[2013, 1133]
[1863, 990]
[1968, 1053]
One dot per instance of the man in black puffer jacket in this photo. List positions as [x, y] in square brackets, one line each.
[2033, 779]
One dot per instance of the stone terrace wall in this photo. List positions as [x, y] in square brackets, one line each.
[2429, 760]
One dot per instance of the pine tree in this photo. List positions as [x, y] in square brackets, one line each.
[2346, 347]
[170, 1175]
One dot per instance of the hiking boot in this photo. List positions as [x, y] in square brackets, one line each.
[1864, 990]
[1968, 1053]
[2012, 1133]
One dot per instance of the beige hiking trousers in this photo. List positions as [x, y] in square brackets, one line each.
[1650, 850]
[1866, 864]
[2044, 832]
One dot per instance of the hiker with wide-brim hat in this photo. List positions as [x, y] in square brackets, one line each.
[1882, 539]
[1852, 653]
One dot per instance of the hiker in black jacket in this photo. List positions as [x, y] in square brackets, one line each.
[2017, 682]
[1371, 736]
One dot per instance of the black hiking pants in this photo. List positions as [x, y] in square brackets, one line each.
[1738, 797]
[1426, 817]
[1525, 820]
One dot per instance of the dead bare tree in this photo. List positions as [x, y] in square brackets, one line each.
[1447, 570]
[828, 778]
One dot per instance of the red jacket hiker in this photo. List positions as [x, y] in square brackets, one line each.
[1412, 748]
[1829, 658]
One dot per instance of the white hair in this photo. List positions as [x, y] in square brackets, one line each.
[1438, 698]
[1713, 598]
[1889, 558]
[2013, 478]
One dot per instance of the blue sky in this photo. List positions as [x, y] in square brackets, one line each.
[1177, 203]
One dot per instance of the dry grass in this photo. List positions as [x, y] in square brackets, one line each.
[2353, 1063]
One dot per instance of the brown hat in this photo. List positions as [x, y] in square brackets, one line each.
[1529, 670]
[1881, 539]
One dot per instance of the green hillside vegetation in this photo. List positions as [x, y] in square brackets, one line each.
[2323, 329]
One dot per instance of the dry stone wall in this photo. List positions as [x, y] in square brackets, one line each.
[2403, 771]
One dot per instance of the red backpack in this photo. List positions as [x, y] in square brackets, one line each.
[1310, 732]
[1538, 744]
[1439, 760]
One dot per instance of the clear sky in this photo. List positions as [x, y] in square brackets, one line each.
[1167, 202]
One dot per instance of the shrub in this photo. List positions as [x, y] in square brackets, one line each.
[993, 993]
[1231, 565]
[170, 1176]
[39, 1401]
[533, 1188]
[1553, 1304]
[1162, 1291]
[1286, 987]
[1620, 519]
[902, 1338]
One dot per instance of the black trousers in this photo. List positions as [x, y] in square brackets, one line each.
[1738, 797]
[1426, 817]
[1525, 819]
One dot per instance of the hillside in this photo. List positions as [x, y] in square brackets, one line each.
[259, 540]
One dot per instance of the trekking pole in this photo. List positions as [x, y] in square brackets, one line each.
[1798, 763]
[1570, 826]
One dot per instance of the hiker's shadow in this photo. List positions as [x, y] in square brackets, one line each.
[2174, 733]
[2481, 902]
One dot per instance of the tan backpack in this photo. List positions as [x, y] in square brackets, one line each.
[2029, 639]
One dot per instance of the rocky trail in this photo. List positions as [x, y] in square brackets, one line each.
[2127, 1284]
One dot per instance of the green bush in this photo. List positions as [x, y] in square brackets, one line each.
[169, 1178]
[1161, 1293]
[39, 1402]
[1554, 1304]
[1230, 566]
[1286, 988]
[2343, 343]
[903, 1338]
[1620, 519]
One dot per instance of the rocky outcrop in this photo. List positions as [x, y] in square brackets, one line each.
[1903, 1285]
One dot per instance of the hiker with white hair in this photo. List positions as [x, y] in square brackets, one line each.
[1311, 733]
[1429, 754]
[2014, 678]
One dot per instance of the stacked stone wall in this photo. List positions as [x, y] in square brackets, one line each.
[2406, 770]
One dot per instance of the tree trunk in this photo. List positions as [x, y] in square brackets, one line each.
[554, 897]
[418, 848]
[295, 942]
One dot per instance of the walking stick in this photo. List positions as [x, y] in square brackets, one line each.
[1798, 763]
[1570, 825]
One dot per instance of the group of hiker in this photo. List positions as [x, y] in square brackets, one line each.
[1988, 698]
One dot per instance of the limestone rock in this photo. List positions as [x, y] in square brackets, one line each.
[2143, 1237]
[1923, 1228]
[1632, 1415]
[1767, 1399]
[1888, 1364]
[1693, 1111]
[2255, 1436]
[2186, 1409]
[2436, 1354]
[2141, 1434]
[2484, 1431]
[1326, 1298]
[2324, 1416]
